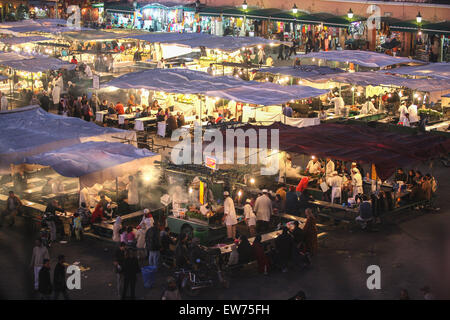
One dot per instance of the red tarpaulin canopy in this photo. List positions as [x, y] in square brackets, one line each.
[387, 150]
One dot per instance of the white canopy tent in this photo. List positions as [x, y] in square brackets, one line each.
[31, 130]
[368, 59]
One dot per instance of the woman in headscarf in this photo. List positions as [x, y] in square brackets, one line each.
[116, 228]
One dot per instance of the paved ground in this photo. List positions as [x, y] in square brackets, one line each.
[411, 253]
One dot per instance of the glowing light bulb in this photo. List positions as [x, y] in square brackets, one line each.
[252, 180]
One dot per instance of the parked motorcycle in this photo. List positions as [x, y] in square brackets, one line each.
[202, 274]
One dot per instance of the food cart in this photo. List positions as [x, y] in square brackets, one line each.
[192, 186]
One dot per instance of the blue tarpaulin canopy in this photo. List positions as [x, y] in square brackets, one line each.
[175, 81]
[267, 93]
[31, 130]
[304, 72]
[40, 25]
[434, 70]
[20, 40]
[363, 58]
[195, 40]
[38, 22]
[196, 82]
[12, 56]
[95, 161]
[382, 79]
[38, 64]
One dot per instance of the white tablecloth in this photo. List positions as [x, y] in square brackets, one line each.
[99, 115]
[162, 128]
[122, 117]
[139, 124]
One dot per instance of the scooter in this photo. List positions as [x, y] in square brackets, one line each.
[205, 274]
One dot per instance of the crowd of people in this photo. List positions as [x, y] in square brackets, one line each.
[40, 264]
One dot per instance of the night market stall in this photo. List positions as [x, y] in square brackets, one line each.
[213, 49]
[29, 74]
[373, 150]
[30, 130]
[354, 59]
[197, 94]
[84, 173]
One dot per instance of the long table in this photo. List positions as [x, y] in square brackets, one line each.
[335, 206]
[139, 124]
[123, 117]
[441, 126]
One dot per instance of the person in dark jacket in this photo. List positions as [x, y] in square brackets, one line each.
[45, 284]
[298, 248]
[94, 103]
[410, 178]
[153, 244]
[180, 120]
[172, 124]
[196, 253]
[104, 105]
[166, 241]
[51, 209]
[292, 201]
[245, 250]
[283, 245]
[130, 269]
[59, 279]
[298, 235]
[181, 252]
[400, 175]
[119, 257]
[77, 108]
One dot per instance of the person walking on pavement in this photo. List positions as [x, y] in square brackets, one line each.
[59, 279]
[130, 269]
[45, 283]
[153, 244]
[51, 209]
[118, 267]
[40, 253]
